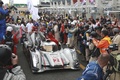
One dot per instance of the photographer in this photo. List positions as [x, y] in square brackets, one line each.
[3, 14]
[104, 42]
[116, 40]
[6, 59]
[94, 51]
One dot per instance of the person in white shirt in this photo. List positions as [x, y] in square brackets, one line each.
[22, 31]
[29, 27]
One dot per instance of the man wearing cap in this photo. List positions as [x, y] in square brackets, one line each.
[10, 39]
[3, 14]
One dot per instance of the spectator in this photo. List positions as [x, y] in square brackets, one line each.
[104, 42]
[74, 32]
[94, 51]
[69, 36]
[3, 14]
[29, 28]
[23, 31]
[63, 33]
[84, 40]
[56, 31]
[18, 18]
[11, 39]
[6, 59]
[94, 70]
[116, 40]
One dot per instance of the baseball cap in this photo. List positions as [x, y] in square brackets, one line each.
[9, 28]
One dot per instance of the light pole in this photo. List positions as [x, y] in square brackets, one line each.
[83, 13]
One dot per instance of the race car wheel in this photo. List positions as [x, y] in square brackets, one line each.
[76, 64]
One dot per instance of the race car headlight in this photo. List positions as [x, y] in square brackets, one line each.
[35, 60]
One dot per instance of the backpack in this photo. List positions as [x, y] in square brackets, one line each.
[95, 52]
[9, 41]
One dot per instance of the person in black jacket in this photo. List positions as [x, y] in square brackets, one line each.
[6, 59]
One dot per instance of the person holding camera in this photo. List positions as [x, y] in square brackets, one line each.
[3, 14]
[116, 40]
[104, 42]
[6, 59]
[116, 37]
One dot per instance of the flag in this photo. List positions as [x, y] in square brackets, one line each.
[11, 2]
[92, 1]
[83, 2]
[76, 4]
[33, 10]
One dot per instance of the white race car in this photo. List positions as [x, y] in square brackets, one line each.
[45, 55]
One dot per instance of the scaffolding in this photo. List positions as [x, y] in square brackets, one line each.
[99, 7]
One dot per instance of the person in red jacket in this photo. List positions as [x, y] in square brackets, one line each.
[50, 36]
[10, 39]
[63, 34]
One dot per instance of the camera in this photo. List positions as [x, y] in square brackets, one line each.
[113, 47]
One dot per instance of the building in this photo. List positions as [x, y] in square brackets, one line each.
[90, 7]
[11, 2]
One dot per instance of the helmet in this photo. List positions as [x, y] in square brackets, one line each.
[93, 34]
[9, 28]
[116, 30]
[5, 55]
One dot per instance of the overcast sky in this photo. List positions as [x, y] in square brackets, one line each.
[35, 2]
